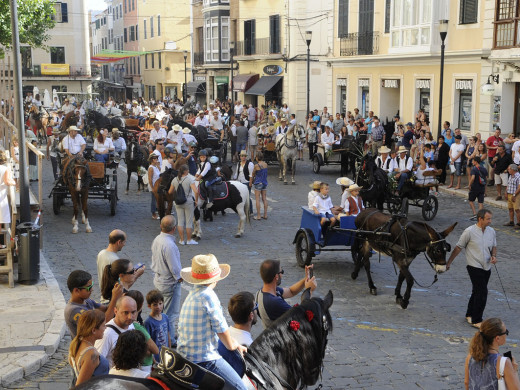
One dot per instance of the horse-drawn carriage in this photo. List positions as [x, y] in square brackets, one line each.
[267, 145]
[345, 153]
[415, 194]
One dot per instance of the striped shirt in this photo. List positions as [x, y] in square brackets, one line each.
[200, 320]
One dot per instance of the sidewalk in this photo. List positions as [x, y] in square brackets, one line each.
[32, 324]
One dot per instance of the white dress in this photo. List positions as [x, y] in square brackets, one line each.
[5, 211]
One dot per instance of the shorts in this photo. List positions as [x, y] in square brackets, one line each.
[458, 168]
[476, 194]
[513, 205]
[502, 178]
[326, 215]
[260, 186]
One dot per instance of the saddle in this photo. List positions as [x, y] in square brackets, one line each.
[220, 191]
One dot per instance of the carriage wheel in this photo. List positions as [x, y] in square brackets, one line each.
[113, 203]
[430, 208]
[304, 249]
[316, 164]
[395, 205]
[223, 152]
[56, 203]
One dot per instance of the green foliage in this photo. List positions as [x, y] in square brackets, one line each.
[34, 20]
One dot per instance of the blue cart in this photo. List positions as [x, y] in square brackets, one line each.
[312, 239]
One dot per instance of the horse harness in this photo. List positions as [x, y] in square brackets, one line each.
[70, 165]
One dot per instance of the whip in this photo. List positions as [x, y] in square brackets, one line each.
[503, 289]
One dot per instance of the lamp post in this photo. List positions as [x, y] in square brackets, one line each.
[443, 30]
[231, 50]
[308, 37]
[184, 91]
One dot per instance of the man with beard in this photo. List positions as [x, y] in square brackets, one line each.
[243, 311]
[271, 298]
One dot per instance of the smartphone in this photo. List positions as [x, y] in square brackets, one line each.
[138, 266]
[311, 273]
[509, 355]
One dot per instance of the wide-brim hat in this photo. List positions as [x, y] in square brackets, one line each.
[176, 128]
[243, 153]
[402, 149]
[384, 149]
[354, 187]
[270, 130]
[200, 112]
[186, 130]
[205, 269]
[134, 102]
[315, 185]
[73, 128]
[344, 181]
[56, 130]
[115, 130]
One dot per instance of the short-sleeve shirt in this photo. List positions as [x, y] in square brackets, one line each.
[477, 172]
[105, 146]
[493, 141]
[200, 320]
[243, 337]
[104, 258]
[148, 360]
[107, 344]
[73, 145]
[322, 205]
[456, 149]
[158, 332]
[74, 310]
[186, 183]
[274, 306]
[478, 245]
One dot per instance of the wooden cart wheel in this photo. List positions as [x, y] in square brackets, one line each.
[304, 249]
[430, 208]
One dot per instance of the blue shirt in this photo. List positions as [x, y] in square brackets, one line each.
[483, 377]
[200, 320]
[158, 332]
[275, 306]
[166, 261]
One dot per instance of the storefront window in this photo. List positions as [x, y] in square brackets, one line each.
[411, 23]
[465, 106]
[365, 101]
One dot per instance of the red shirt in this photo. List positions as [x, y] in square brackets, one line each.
[493, 141]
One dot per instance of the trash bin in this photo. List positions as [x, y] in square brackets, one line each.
[28, 253]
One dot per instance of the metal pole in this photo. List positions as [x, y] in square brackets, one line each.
[308, 77]
[185, 81]
[25, 204]
[232, 116]
[439, 126]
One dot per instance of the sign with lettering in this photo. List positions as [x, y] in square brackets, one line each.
[390, 83]
[341, 82]
[422, 84]
[364, 83]
[463, 84]
[199, 78]
[221, 79]
[273, 70]
[55, 69]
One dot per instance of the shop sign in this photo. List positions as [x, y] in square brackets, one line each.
[199, 78]
[273, 70]
[390, 83]
[55, 69]
[422, 84]
[221, 79]
[463, 84]
[341, 82]
[364, 83]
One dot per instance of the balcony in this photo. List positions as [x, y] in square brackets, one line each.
[356, 44]
[61, 70]
[260, 46]
[198, 58]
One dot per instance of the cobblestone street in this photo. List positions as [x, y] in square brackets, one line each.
[374, 345]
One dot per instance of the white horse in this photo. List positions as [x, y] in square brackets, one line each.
[237, 200]
[287, 148]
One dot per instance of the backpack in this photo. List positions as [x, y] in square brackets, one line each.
[481, 179]
[180, 196]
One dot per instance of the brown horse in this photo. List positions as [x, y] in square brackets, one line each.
[39, 119]
[71, 119]
[76, 177]
[162, 185]
[402, 240]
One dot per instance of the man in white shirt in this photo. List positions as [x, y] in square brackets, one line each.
[216, 125]
[136, 109]
[175, 137]
[116, 242]
[157, 132]
[243, 312]
[384, 161]
[456, 151]
[187, 138]
[67, 107]
[73, 143]
[201, 120]
[327, 138]
[238, 108]
[516, 152]
[125, 315]
[282, 129]
[403, 166]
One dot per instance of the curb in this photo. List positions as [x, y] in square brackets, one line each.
[40, 353]
[464, 194]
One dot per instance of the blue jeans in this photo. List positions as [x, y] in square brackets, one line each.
[172, 306]
[402, 179]
[153, 204]
[101, 157]
[224, 370]
[241, 147]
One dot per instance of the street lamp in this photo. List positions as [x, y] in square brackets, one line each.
[185, 94]
[231, 50]
[443, 30]
[308, 37]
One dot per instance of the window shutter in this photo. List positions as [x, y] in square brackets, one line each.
[387, 16]
[253, 36]
[342, 18]
[64, 14]
[468, 11]
[136, 32]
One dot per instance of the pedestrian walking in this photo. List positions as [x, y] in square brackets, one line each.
[480, 243]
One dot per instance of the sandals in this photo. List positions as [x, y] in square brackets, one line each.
[257, 219]
[264, 217]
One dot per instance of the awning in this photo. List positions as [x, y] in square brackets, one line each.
[195, 87]
[242, 82]
[264, 85]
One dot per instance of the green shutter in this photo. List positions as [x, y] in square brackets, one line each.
[387, 16]
[468, 11]
[342, 18]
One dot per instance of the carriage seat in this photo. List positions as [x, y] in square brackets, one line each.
[97, 169]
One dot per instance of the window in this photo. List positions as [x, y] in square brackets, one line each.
[468, 11]
[136, 32]
[61, 14]
[465, 108]
[57, 55]
[144, 29]
[98, 24]
[159, 60]
[158, 25]
[133, 5]
[124, 4]
[125, 34]
[146, 61]
[104, 20]
[139, 65]
[135, 69]
[26, 54]
[249, 37]
[224, 38]
[151, 27]
[132, 33]
[274, 34]
[120, 10]
[153, 60]
[411, 23]
[506, 23]
[116, 13]
[212, 47]
[129, 65]
[59, 88]
[388, 11]
[342, 18]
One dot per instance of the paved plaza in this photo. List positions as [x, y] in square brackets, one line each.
[374, 345]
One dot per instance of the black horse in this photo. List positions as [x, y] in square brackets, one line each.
[287, 355]
[350, 156]
[402, 240]
[135, 156]
[96, 121]
[374, 181]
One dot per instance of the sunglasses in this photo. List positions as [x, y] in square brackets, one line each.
[281, 272]
[88, 288]
[255, 308]
[130, 272]
[159, 143]
[504, 333]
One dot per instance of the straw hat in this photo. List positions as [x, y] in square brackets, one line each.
[270, 130]
[402, 149]
[344, 181]
[384, 149]
[55, 130]
[243, 153]
[205, 269]
[115, 130]
[186, 130]
[315, 185]
[354, 187]
[176, 128]
[200, 112]
[73, 128]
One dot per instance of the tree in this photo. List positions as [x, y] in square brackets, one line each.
[35, 18]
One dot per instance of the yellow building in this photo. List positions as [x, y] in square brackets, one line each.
[164, 32]
[387, 60]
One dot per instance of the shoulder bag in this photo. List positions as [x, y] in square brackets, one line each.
[500, 373]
